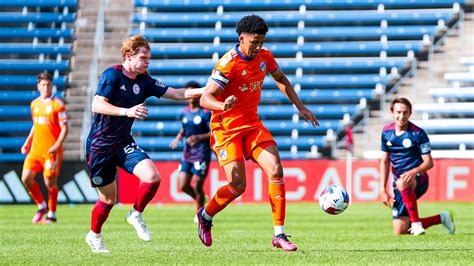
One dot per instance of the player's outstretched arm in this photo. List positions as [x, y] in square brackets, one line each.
[384, 171]
[182, 94]
[101, 105]
[209, 101]
[285, 86]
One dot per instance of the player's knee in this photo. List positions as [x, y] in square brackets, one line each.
[276, 171]
[239, 185]
[186, 187]
[401, 185]
[109, 201]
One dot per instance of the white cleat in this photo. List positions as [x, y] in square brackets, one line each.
[96, 243]
[196, 219]
[135, 219]
[448, 221]
[416, 229]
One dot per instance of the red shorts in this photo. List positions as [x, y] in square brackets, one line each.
[236, 145]
[48, 163]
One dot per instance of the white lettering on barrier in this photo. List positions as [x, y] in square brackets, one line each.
[257, 185]
[330, 177]
[452, 183]
[373, 183]
[300, 175]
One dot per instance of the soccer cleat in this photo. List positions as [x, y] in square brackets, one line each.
[39, 215]
[96, 243]
[281, 241]
[204, 228]
[416, 229]
[447, 219]
[49, 220]
[135, 219]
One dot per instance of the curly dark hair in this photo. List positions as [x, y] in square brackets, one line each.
[251, 24]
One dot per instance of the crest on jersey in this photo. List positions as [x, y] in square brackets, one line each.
[49, 109]
[223, 154]
[263, 66]
[97, 180]
[197, 120]
[406, 143]
[136, 89]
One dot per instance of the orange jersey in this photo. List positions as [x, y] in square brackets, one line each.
[48, 116]
[242, 77]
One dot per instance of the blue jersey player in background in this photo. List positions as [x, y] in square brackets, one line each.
[197, 150]
[119, 100]
[407, 149]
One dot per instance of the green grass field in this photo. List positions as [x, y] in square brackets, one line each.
[242, 235]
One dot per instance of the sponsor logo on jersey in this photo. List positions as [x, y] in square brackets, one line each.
[136, 89]
[406, 143]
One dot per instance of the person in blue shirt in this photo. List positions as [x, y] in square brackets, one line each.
[119, 100]
[196, 151]
[406, 148]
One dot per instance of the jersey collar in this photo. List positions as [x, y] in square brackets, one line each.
[242, 55]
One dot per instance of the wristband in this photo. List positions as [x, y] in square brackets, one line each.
[123, 112]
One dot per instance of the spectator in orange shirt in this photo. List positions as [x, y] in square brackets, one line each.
[44, 147]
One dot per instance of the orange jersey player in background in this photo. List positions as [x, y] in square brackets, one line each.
[237, 133]
[44, 147]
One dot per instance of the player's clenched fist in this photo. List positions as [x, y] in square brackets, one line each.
[229, 102]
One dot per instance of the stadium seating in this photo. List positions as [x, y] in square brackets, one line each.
[338, 54]
[35, 36]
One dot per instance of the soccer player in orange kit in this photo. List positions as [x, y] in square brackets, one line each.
[44, 147]
[237, 133]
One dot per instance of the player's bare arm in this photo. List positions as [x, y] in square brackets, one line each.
[27, 145]
[175, 141]
[209, 101]
[384, 171]
[193, 139]
[423, 167]
[100, 105]
[182, 94]
[62, 136]
[285, 87]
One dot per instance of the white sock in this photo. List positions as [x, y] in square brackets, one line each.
[279, 229]
[93, 233]
[51, 214]
[42, 205]
[206, 216]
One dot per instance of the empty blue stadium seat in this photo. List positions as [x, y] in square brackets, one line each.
[165, 66]
[12, 157]
[30, 48]
[11, 142]
[460, 77]
[291, 49]
[454, 141]
[315, 95]
[23, 96]
[454, 109]
[15, 111]
[462, 94]
[292, 17]
[291, 33]
[7, 33]
[24, 80]
[15, 126]
[159, 128]
[38, 3]
[33, 65]
[43, 17]
[187, 5]
[451, 125]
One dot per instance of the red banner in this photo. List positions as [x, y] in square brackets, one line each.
[450, 180]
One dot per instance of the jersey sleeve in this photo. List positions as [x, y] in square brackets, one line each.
[107, 82]
[383, 143]
[155, 87]
[272, 65]
[61, 111]
[222, 73]
[425, 146]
